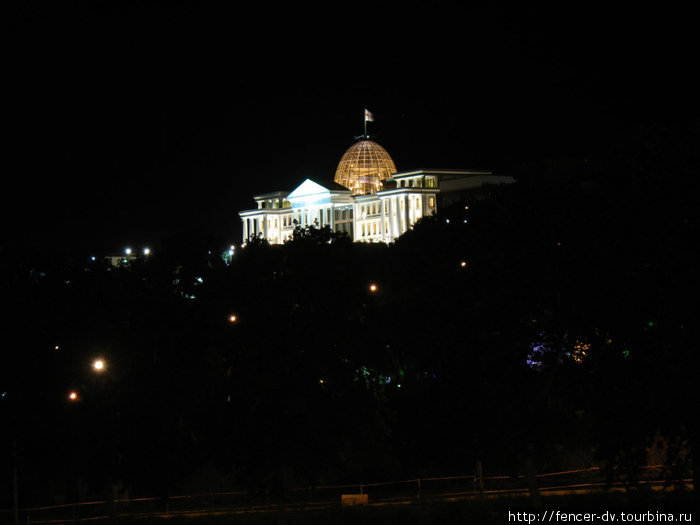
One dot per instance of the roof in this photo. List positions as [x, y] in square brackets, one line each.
[363, 167]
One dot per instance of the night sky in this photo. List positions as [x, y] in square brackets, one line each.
[132, 121]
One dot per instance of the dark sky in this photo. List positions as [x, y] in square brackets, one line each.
[131, 121]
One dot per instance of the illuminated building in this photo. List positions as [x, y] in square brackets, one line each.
[369, 200]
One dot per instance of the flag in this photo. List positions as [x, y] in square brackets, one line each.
[368, 116]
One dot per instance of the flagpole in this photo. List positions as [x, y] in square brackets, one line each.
[365, 113]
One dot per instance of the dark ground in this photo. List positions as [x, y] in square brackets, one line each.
[471, 511]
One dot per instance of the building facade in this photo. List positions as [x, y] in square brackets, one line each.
[398, 201]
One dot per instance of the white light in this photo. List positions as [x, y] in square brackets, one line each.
[92, 258]
[98, 365]
[127, 251]
[146, 251]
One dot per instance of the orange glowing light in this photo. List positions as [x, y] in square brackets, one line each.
[73, 395]
[232, 318]
[373, 287]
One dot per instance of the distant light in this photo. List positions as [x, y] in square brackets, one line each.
[92, 257]
[232, 318]
[463, 264]
[447, 221]
[230, 251]
[373, 287]
[146, 251]
[73, 395]
[57, 347]
[127, 251]
[98, 364]
[466, 207]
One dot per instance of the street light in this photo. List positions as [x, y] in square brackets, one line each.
[98, 365]
[232, 318]
[72, 395]
[373, 287]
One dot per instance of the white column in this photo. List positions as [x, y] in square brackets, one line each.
[394, 213]
[245, 229]
[405, 212]
[355, 221]
[381, 220]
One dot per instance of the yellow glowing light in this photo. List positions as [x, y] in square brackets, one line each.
[463, 264]
[232, 318]
[580, 351]
[373, 287]
[98, 364]
[73, 395]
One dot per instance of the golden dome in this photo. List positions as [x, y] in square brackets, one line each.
[363, 167]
